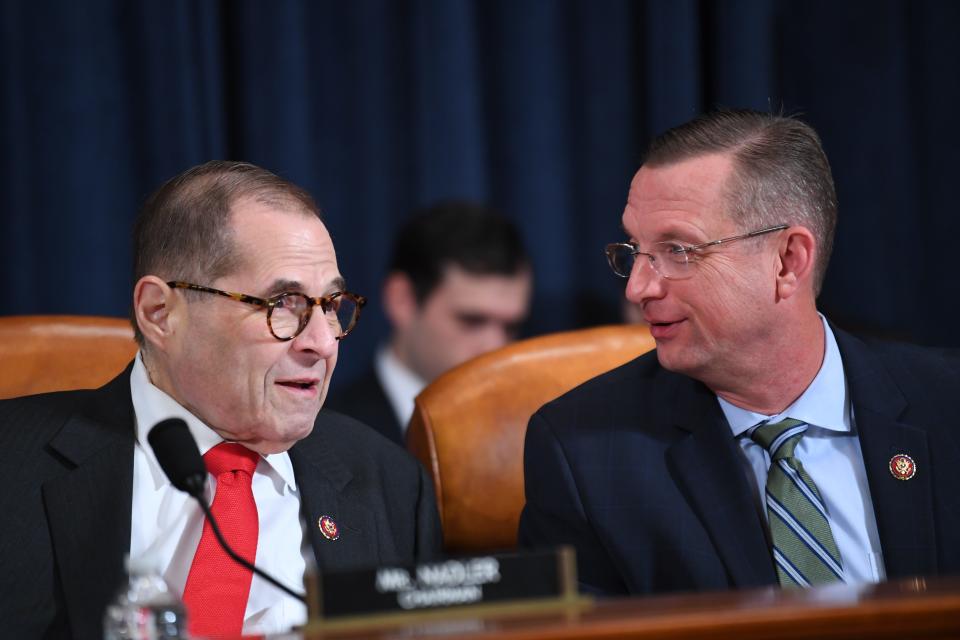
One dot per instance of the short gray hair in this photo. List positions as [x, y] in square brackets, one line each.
[781, 173]
[183, 231]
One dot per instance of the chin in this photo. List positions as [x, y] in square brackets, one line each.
[668, 359]
[299, 432]
[676, 362]
[278, 438]
[280, 443]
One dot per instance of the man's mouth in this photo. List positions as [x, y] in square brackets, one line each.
[662, 322]
[661, 329]
[298, 384]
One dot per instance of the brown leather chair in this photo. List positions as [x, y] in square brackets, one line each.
[468, 426]
[57, 353]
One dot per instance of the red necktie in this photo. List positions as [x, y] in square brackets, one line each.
[217, 587]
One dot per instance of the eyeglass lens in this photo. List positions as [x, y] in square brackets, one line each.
[669, 259]
[621, 259]
[289, 314]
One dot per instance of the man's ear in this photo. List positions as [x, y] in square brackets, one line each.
[153, 302]
[399, 300]
[796, 261]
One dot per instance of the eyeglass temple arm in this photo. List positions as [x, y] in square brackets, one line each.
[758, 232]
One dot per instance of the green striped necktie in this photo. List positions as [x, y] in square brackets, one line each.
[804, 551]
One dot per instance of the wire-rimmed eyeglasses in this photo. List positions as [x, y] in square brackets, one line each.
[288, 313]
[671, 260]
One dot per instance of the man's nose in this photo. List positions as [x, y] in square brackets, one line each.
[320, 335]
[644, 282]
[493, 336]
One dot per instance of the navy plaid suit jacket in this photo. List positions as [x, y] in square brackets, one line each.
[638, 471]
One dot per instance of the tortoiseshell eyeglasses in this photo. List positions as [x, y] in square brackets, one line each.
[288, 313]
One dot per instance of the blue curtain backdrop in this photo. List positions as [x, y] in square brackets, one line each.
[540, 107]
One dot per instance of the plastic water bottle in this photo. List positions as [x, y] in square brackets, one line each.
[145, 609]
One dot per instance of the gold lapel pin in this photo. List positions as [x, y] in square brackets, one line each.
[902, 467]
[328, 528]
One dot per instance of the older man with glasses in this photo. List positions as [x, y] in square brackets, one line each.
[759, 444]
[239, 308]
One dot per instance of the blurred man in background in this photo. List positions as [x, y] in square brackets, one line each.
[459, 285]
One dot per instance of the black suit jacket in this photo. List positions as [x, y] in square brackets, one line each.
[67, 483]
[365, 400]
[638, 470]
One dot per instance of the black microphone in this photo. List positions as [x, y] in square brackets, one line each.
[178, 455]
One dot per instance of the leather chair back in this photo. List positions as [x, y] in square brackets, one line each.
[468, 426]
[58, 353]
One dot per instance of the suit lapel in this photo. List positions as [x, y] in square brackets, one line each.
[707, 466]
[89, 507]
[323, 480]
[903, 509]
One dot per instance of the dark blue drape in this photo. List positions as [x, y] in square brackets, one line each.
[539, 107]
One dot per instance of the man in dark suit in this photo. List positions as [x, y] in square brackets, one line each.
[758, 444]
[459, 286]
[238, 308]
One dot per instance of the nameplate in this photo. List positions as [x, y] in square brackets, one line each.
[456, 582]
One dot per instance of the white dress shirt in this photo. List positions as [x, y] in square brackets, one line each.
[167, 523]
[830, 452]
[399, 383]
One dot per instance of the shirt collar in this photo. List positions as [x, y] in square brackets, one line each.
[825, 403]
[151, 405]
[399, 383]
